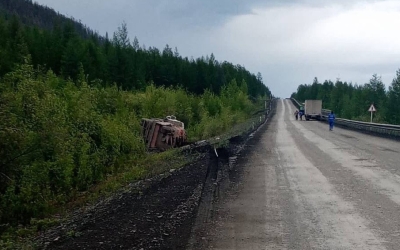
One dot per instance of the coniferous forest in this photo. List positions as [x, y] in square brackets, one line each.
[71, 102]
[351, 101]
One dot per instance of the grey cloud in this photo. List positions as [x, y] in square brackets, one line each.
[203, 12]
[105, 15]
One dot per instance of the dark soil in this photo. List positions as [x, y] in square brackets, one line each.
[153, 214]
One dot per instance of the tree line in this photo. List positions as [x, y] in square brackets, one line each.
[116, 59]
[352, 101]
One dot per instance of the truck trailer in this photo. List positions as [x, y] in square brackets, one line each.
[312, 109]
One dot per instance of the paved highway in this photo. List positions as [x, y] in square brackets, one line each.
[305, 187]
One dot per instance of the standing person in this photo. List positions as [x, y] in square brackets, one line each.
[301, 112]
[331, 119]
[296, 114]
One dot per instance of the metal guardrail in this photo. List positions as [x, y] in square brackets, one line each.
[387, 130]
[244, 129]
[295, 102]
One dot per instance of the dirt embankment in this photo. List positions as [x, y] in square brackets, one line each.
[166, 212]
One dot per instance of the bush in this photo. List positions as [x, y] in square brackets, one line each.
[60, 137]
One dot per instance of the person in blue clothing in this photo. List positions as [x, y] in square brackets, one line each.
[331, 119]
[301, 112]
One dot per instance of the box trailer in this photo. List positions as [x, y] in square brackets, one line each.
[312, 109]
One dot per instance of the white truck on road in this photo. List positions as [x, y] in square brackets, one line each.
[312, 109]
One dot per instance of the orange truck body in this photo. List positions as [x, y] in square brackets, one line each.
[163, 133]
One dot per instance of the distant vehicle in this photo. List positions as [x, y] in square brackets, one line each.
[312, 109]
[164, 133]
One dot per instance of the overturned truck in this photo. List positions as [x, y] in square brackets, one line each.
[163, 133]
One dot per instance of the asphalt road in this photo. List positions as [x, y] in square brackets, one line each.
[305, 187]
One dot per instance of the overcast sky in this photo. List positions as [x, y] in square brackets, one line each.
[289, 41]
